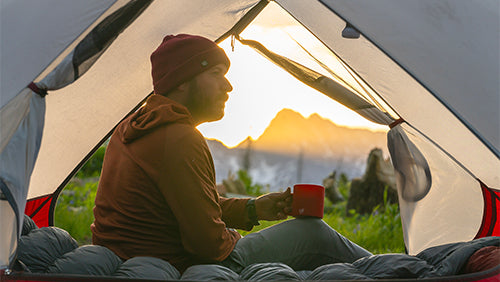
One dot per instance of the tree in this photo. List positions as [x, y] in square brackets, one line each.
[246, 159]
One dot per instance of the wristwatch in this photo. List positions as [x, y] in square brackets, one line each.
[252, 212]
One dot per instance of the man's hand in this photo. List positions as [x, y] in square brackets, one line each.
[274, 206]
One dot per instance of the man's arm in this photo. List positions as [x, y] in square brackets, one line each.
[234, 213]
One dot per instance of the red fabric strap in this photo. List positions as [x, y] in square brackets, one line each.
[491, 215]
[34, 88]
[396, 122]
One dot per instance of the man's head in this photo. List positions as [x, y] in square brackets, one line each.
[192, 68]
[181, 57]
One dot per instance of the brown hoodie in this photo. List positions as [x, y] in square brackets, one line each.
[157, 194]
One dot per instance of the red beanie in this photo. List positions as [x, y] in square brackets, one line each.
[181, 57]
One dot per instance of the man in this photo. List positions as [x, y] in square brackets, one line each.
[157, 193]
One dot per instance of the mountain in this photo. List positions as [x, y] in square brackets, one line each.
[296, 149]
[290, 133]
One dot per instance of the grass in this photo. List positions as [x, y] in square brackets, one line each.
[379, 232]
[73, 212]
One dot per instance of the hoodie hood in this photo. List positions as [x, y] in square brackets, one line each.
[158, 111]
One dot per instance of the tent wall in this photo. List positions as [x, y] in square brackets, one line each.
[434, 62]
[15, 171]
[402, 90]
[456, 39]
[439, 217]
[8, 236]
[117, 82]
[417, 56]
[24, 114]
[74, 123]
[36, 32]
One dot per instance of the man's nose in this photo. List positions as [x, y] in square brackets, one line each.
[227, 85]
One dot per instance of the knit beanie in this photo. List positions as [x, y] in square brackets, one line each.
[180, 58]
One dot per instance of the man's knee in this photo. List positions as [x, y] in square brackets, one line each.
[309, 228]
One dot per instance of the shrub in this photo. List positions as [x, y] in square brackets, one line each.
[253, 189]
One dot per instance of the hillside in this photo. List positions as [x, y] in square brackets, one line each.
[296, 149]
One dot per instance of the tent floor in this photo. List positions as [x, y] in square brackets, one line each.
[489, 275]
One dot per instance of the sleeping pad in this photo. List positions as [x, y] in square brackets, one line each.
[53, 250]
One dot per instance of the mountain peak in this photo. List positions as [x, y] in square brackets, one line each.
[290, 133]
[286, 116]
[287, 113]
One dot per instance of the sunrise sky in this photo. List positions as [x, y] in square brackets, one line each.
[262, 89]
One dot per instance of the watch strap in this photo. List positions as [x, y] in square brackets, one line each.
[252, 212]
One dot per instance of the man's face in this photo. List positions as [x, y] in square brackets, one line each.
[208, 94]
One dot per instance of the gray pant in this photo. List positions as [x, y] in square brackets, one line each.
[302, 244]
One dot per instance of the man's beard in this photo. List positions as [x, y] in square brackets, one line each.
[195, 103]
[199, 105]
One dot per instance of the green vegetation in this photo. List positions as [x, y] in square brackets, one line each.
[253, 189]
[74, 210]
[92, 167]
[379, 232]
[74, 206]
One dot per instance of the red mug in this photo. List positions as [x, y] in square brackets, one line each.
[308, 200]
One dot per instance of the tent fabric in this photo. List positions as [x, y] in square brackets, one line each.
[412, 170]
[406, 87]
[46, 34]
[435, 64]
[15, 172]
[452, 189]
[490, 225]
[86, 54]
[26, 141]
[15, 111]
[120, 82]
[9, 235]
[455, 33]
[52, 250]
[38, 210]
[84, 109]
[92, 46]
[324, 84]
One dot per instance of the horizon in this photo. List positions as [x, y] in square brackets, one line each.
[374, 130]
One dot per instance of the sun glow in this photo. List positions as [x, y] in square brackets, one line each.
[262, 89]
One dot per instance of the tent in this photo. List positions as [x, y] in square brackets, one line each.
[428, 69]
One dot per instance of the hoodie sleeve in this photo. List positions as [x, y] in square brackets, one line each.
[188, 185]
[234, 213]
